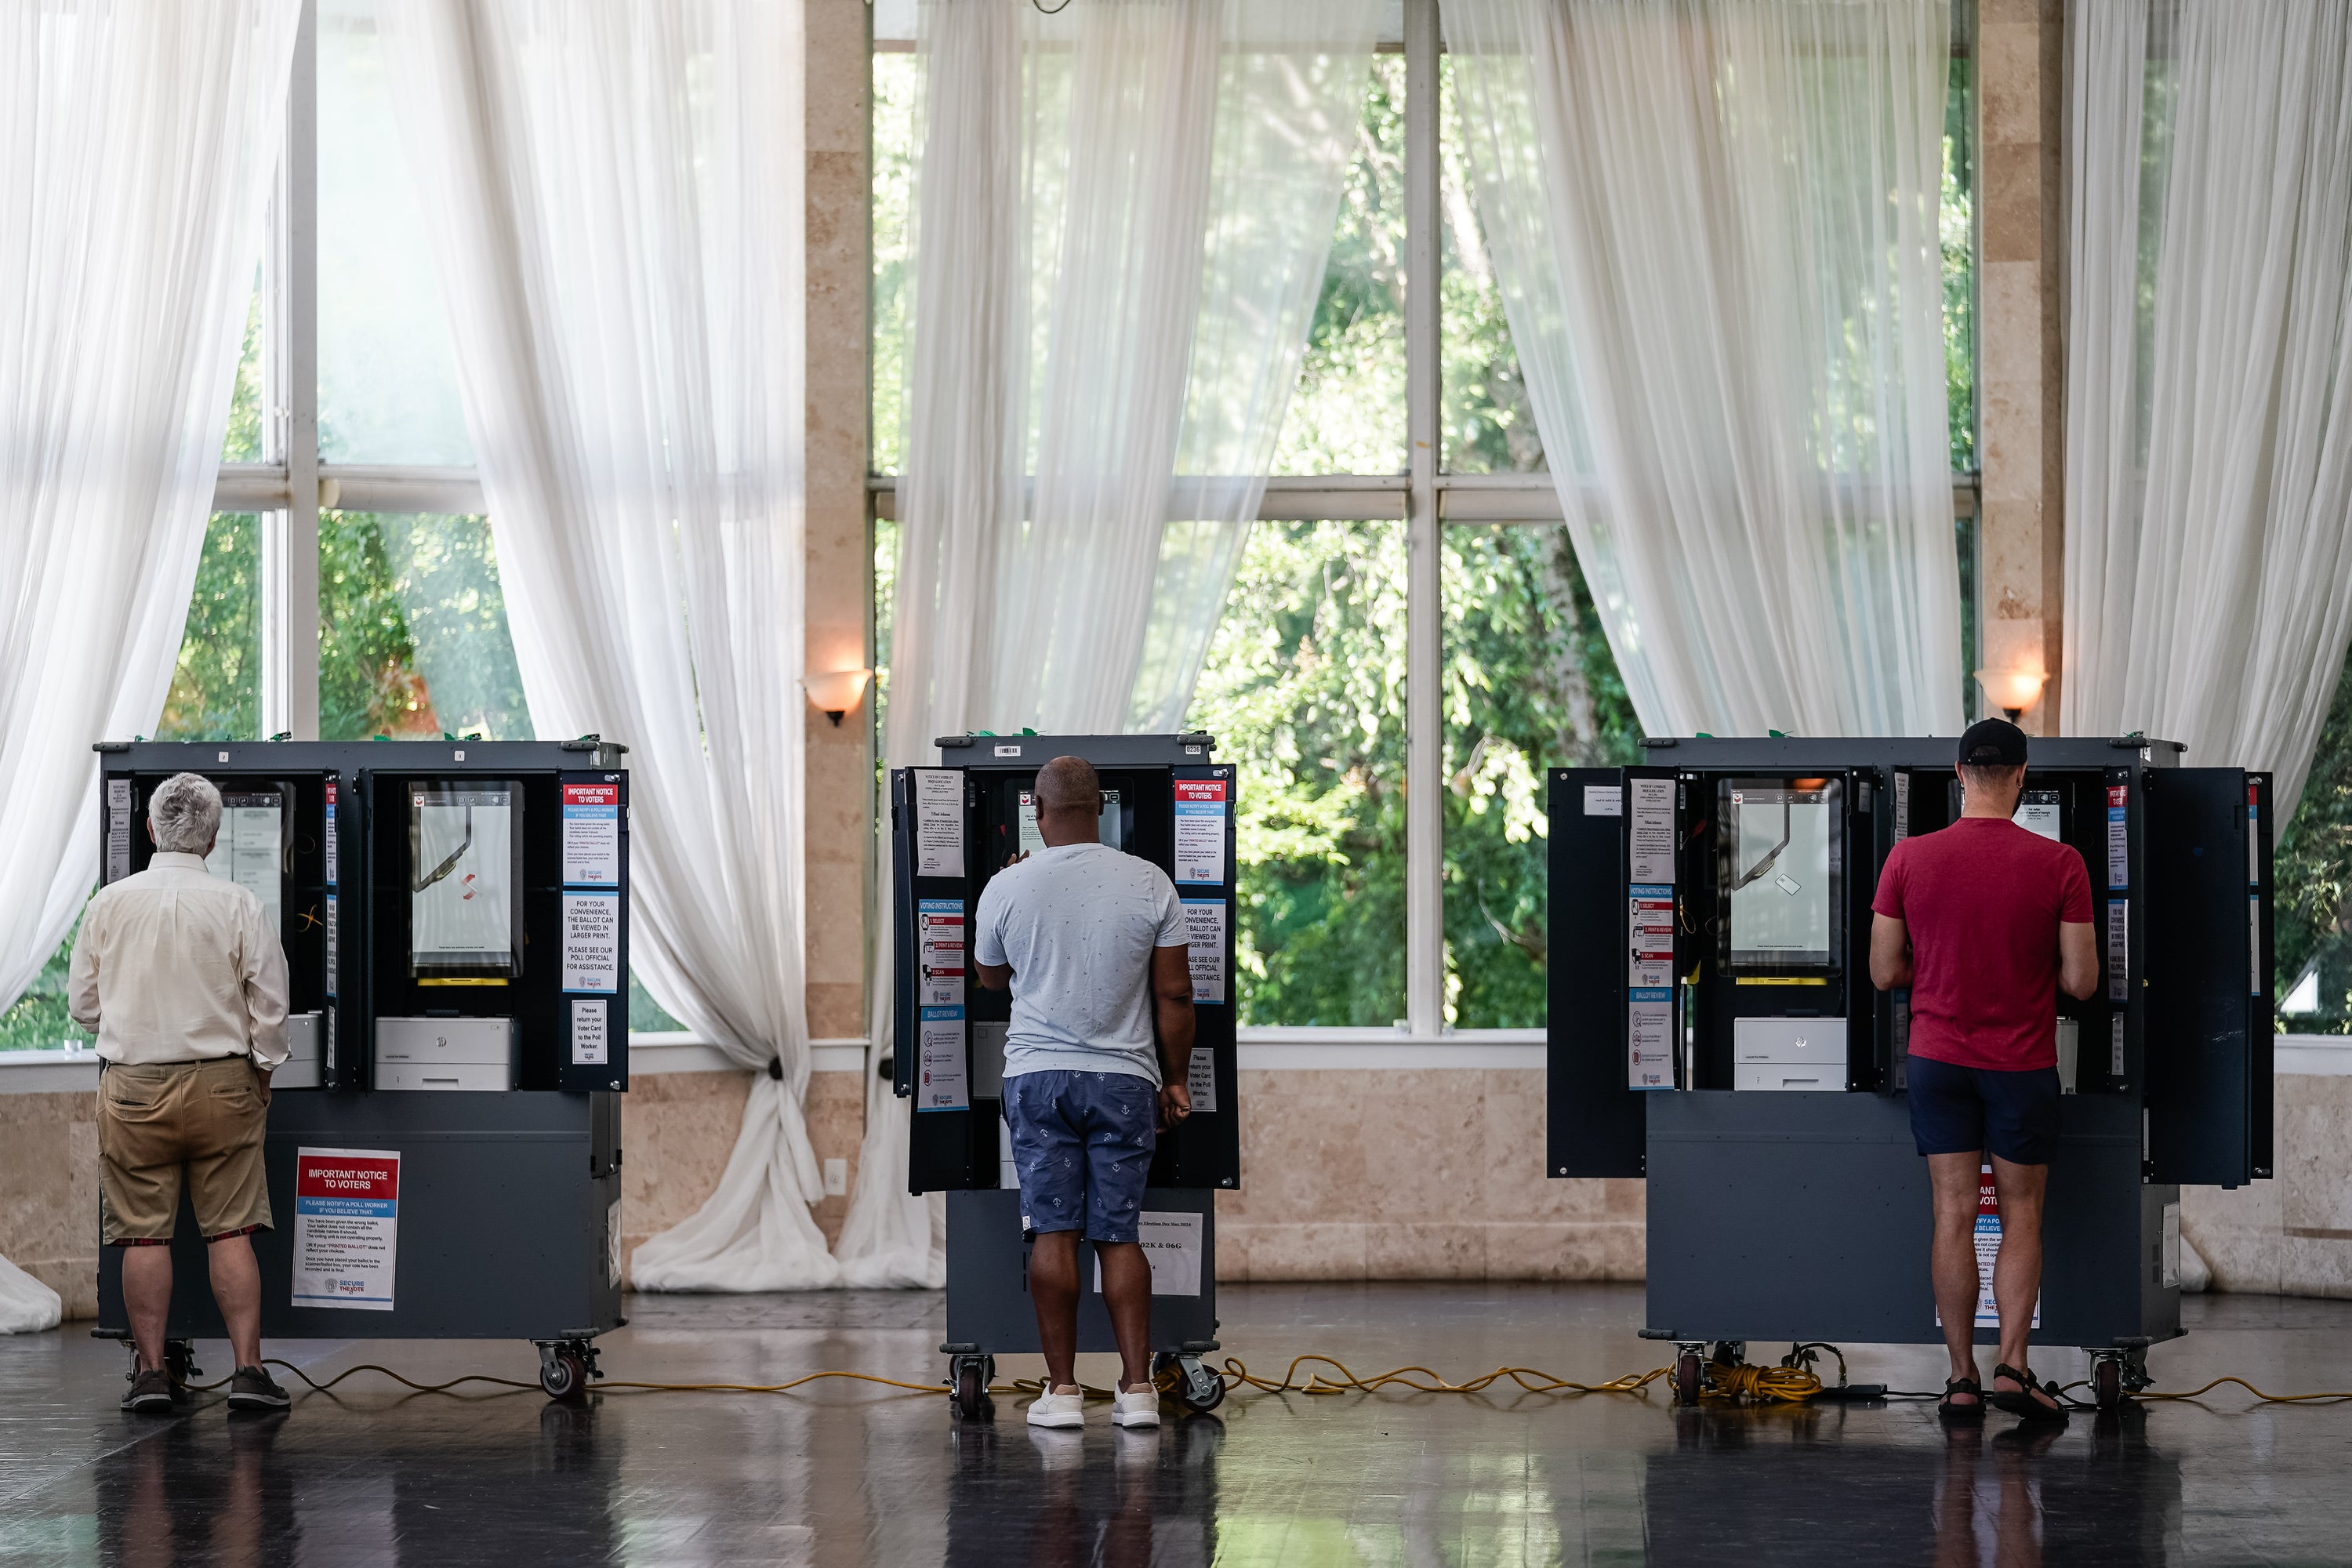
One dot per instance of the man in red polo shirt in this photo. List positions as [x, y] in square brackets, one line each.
[1984, 920]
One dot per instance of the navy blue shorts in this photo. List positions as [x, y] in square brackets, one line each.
[1967, 1111]
[1082, 1142]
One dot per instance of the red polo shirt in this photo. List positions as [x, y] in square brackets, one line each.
[1982, 901]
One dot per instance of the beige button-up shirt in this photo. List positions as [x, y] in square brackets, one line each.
[177, 965]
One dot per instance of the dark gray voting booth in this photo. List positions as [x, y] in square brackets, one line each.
[952, 827]
[454, 916]
[1713, 1028]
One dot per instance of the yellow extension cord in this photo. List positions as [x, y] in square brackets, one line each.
[1745, 1382]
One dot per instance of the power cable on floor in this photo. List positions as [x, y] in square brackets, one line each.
[1743, 1382]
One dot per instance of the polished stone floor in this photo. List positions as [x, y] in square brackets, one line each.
[845, 1476]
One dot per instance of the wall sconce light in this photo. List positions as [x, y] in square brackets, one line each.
[837, 691]
[2013, 691]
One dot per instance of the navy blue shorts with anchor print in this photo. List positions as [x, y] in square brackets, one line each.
[1082, 1142]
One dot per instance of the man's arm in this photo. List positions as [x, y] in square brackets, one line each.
[1890, 953]
[81, 985]
[1171, 1009]
[265, 998]
[2078, 959]
[992, 976]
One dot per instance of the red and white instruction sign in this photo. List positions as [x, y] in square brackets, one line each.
[592, 833]
[346, 1228]
[1201, 805]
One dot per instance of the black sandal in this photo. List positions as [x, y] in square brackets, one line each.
[1948, 1411]
[2022, 1404]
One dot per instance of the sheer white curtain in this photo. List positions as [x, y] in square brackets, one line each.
[1122, 215]
[2209, 464]
[139, 139]
[617, 192]
[1714, 224]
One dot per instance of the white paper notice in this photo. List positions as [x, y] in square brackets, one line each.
[1902, 805]
[592, 833]
[941, 1083]
[334, 946]
[118, 829]
[1204, 935]
[1604, 800]
[1653, 830]
[588, 1037]
[2118, 836]
[1200, 1080]
[1650, 1031]
[1199, 830]
[1171, 1244]
[2118, 950]
[939, 953]
[2037, 812]
[346, 1228]
[2115, 1044]
[939, 822]
[1651, 920]
[592, 941]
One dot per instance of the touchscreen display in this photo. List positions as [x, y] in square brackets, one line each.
[463, 889]
[1782, 872]
[250, 849]
[1106, 827]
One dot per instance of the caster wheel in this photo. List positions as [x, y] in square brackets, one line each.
[564, 1377]
[2107, 1383]
[180, 1362]
[1201, 1406]
[970, 1391]
[1686, 1379]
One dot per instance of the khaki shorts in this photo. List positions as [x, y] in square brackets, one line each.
[155, 1120]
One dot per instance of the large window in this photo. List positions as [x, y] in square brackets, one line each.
[1392, 722]
[346, 463]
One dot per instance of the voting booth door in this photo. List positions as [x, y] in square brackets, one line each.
[502, 894]
[953, 829]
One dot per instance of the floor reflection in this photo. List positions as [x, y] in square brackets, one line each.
[1069, 1500]
[1833, 1481]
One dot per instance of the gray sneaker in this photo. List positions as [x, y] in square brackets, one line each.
[151, 1392]
[251, 1389]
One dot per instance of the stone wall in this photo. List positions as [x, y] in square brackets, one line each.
[48, 1192]
[1400, 1175]
[2291, 1236]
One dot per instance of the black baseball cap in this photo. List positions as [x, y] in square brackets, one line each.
[1992, 743]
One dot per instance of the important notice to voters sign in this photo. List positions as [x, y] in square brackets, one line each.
[346, 1220]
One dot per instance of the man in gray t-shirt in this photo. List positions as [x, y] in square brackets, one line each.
[1091, 941]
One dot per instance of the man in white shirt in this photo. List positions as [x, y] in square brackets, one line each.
[180, 977]
[1091, 941]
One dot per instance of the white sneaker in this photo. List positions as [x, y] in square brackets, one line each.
[1051, 1409]
[1137, 1406]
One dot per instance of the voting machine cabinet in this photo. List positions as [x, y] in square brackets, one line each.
[444, 1140]
[1714, 1029]
[951, 829]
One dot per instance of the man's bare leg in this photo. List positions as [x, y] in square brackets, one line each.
[236, 1286]
[1126, 1291]
[2017, 1272]
[1053, 1291]
[1953, 1184]
[147, 1296]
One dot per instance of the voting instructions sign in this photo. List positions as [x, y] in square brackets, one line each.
[346, 1228]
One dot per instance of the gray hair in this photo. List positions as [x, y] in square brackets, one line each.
[185, 814]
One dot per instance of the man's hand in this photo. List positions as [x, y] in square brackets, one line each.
[1013, 860]
[261, 1077]
[1175, 1105]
